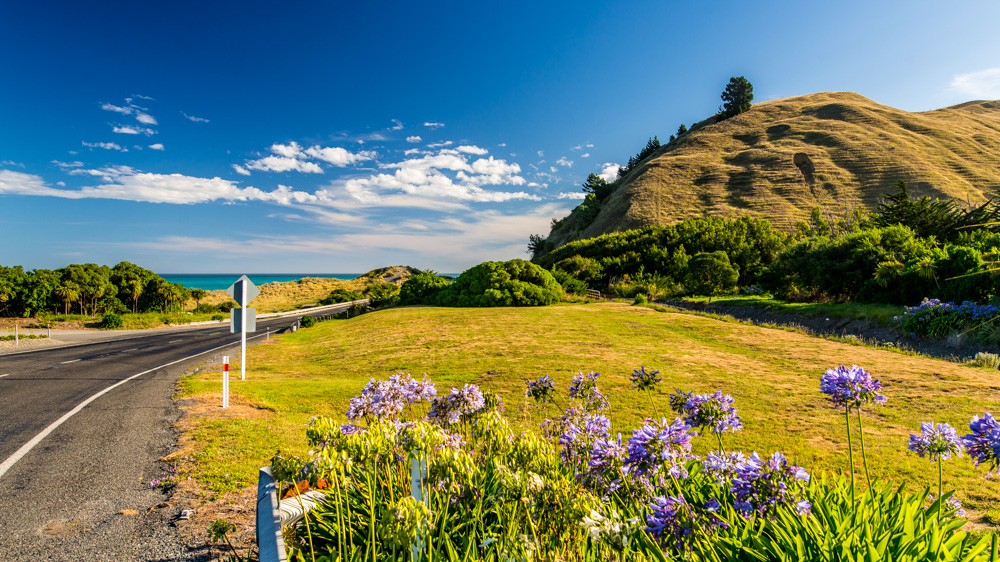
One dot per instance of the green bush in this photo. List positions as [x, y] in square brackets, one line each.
[569, 283]
[341, 295]
[711, 274]
[307, 321]
[510, 283]
[421, 288]
[640, 299]
[382, 294]
[218, 317]
[111, 321]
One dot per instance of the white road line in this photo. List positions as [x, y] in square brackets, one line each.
[174, 341]
[6, 375]
[27, 447]
[128, 350]
[73, 361]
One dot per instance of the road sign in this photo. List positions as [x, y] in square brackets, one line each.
[236, 290]
[236, 320]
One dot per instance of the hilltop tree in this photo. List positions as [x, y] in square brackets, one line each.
[197, 295]
[598, 186]
[682, 129]
[737, 97]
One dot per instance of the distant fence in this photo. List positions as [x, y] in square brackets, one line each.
[592, 294]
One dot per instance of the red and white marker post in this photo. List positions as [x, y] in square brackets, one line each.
[225, 381]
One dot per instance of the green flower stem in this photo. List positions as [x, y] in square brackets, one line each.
[864, 459]
[850, 449]
[940, 499]
[721, 450]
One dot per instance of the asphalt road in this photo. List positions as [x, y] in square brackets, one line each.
[82, 491]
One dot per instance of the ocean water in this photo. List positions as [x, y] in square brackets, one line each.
[222, 281]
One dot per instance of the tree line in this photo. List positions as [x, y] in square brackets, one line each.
[89, 289]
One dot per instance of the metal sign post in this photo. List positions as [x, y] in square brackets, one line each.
[243, 291]
[225, 381]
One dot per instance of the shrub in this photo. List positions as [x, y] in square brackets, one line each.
[510, 283]
[382, 294]
[341, 295]
[983, 359]
[307, 321]
[111, 321]
[421, 288]
[569, 283]
[218, 317]
[711, 274]
[640, 299]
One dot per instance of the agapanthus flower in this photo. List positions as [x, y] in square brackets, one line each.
[951, 503]
[644, 380]
[673, 521]
[721, 466]
[350, 429]
[611, 529]
[458, 404]
[386, 399]
[581, 383]
[851, 388]
[541, 389]
[657, 444]
[936, 441]
[983, 444]
[607, 457]
[760, 485]
[579, 436]
[707, 411]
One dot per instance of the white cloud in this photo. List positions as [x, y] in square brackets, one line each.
[131, 130]
[337, 156]
[439, 144]
[414, 138]
[12, 163]
[105, 145]
[564, 162]
[585, 155]
[396, 125]
[984, 84]
[284, 164]
[541, 153]
[127, 184]
[68, 165]
[290, 150]
[434, 125]
[609, 171]
[194, 119]
[241, 170]
[503, 144]
[412, 151]
[572, 195]
[472, 150]
[553, 169]
[117, 109]
[142, 97]
[157, 146]
[145, 119]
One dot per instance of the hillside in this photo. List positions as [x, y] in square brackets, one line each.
[838, 150]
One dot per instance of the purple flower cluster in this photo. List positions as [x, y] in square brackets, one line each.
[936, 441]
[852, 387]
[707, 411]
[541, 389]
[351, 429]
[579, 436]
[584, 388]
[461, 402]
[606, 461]
[951, 502]
[386, 399]
[968, 309]
[983, 444]
[722, 467]
[672, 520]
[760, 485]
[657, 444]
[643, 380]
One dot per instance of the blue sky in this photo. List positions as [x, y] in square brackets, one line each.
[342, 136]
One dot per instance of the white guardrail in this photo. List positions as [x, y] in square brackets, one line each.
[272, 515]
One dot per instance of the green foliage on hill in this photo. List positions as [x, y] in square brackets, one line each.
[711, 273]
[382, 294]
[422, 287]
[509, 283]
[737, 97]
[341, 295]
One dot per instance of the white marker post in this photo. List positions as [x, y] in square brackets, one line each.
[17, 341]
[243, 291]
[225, 381]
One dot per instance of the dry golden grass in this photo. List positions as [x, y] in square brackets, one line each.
[859, 149]
[293, 294]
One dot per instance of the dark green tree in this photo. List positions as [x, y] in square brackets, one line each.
[710, 273]
[682, 129]
[197, 295]
[382, 294]
[421, 288]
[737, 97]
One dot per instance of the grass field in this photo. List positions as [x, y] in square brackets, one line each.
[772, 373]
[881, 314]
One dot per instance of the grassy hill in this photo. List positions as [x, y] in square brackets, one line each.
[838, 150]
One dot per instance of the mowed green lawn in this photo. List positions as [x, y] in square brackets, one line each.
[773, 374]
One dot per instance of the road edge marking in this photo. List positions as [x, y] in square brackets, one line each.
[27, 447]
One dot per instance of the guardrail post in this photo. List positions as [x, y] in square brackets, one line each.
[225, 381]
[48, 329]
[17, 342]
